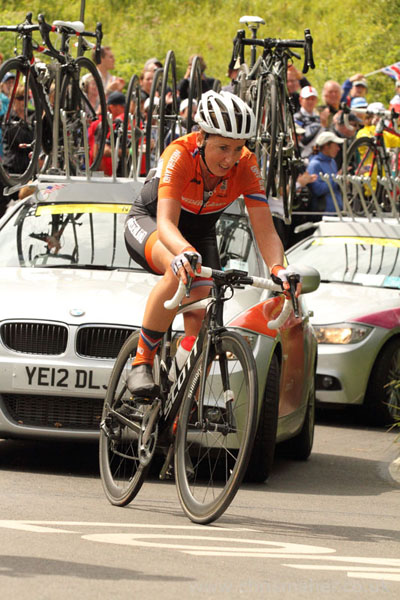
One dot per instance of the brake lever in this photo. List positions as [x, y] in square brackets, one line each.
[308, 52]
[293, 280]
[192, 258]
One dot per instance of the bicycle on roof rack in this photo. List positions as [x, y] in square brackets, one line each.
[372, 184]
[263, 87]
[48, 91]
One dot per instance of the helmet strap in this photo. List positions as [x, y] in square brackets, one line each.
[202, 152]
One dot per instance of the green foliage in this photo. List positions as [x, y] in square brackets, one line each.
[349, 37]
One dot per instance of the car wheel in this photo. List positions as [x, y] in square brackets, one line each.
[262, 456]
[299, 447]
[382, 399]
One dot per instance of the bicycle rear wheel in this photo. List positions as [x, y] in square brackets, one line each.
[131, 131]
[122, 473]
[74, 100]
[21, 126]
[216, 428]
[194, 92]
[365, 162]
[153, 122]
[267, 128]
[170, 121]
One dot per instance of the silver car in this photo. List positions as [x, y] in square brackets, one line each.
[356, 312]
[71, 295]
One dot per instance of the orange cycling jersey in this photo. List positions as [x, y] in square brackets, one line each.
[179, 176]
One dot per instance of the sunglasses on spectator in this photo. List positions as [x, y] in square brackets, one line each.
[19, 97]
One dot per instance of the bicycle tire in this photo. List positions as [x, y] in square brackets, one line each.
[170, 126]
[194, 91]
[73, 100]
[132, 117]
[267, 127]
[200, 454]
[121, 477]
[364, 160]
[152, 122]
[15, 133]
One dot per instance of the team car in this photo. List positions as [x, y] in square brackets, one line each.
[71, 295]
[356, 312]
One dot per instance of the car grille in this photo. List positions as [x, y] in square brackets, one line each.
[101, 342]
[54, 412]
[34, 338]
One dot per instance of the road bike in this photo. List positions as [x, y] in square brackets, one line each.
[264, 88]
[372, 184]
[49, 90]
[205, 420]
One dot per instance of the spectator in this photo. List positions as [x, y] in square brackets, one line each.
[295, 80]
[328, 145]
[331, 94]
[152, 64]
[308, 119]
[111, 83]
[359, 106]
[7, 84]
[207, 83]
[354, 87]
[395, 101]
[89, 87]
[146, 81]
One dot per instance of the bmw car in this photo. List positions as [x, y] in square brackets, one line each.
[71, 295]
[356, 313]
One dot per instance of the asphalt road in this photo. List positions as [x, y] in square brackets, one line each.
[326, 528]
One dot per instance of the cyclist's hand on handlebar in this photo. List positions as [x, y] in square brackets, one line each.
[185, 263]
[287, 279]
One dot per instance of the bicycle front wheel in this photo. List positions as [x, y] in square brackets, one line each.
[216, 428]
[122, 473]
[82, 92]
[21, 126]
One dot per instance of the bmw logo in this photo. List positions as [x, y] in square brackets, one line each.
[76, 312]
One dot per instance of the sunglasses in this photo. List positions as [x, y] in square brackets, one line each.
[19, 97]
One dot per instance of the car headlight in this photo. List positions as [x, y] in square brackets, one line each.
[342, 333]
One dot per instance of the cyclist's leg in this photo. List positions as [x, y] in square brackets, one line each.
[156, 258]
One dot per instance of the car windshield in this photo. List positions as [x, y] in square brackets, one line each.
[91, 235]
[70, 234]
[356, 260]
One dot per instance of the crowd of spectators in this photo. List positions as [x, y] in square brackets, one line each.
[321, 123]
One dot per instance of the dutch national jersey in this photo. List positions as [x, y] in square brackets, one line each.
[178, 176]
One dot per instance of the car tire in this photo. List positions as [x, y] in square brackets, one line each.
[300, 446]
[382, 401]
[262, 456]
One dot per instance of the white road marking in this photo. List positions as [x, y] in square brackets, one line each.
[237, 547]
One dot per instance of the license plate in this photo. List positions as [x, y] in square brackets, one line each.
[58, 379]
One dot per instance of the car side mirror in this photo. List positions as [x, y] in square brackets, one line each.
[310, 277]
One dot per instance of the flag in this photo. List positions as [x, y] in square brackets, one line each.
[392, 70]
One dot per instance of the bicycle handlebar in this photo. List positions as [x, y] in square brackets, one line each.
[235, 276]
[269, 43]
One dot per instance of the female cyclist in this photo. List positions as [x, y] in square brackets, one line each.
[174, 218]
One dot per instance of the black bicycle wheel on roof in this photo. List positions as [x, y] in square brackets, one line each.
[194, 91]
[152, 118]
[266, 128]
[216, 428]
[364, 161]
[20, 126]
[132, 129]
[170, 126]
[76, 98]
[122, 472]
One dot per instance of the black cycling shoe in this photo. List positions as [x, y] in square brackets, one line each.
[140, 382]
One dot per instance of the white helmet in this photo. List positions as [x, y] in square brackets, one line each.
[225, 114]
[376, 107]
